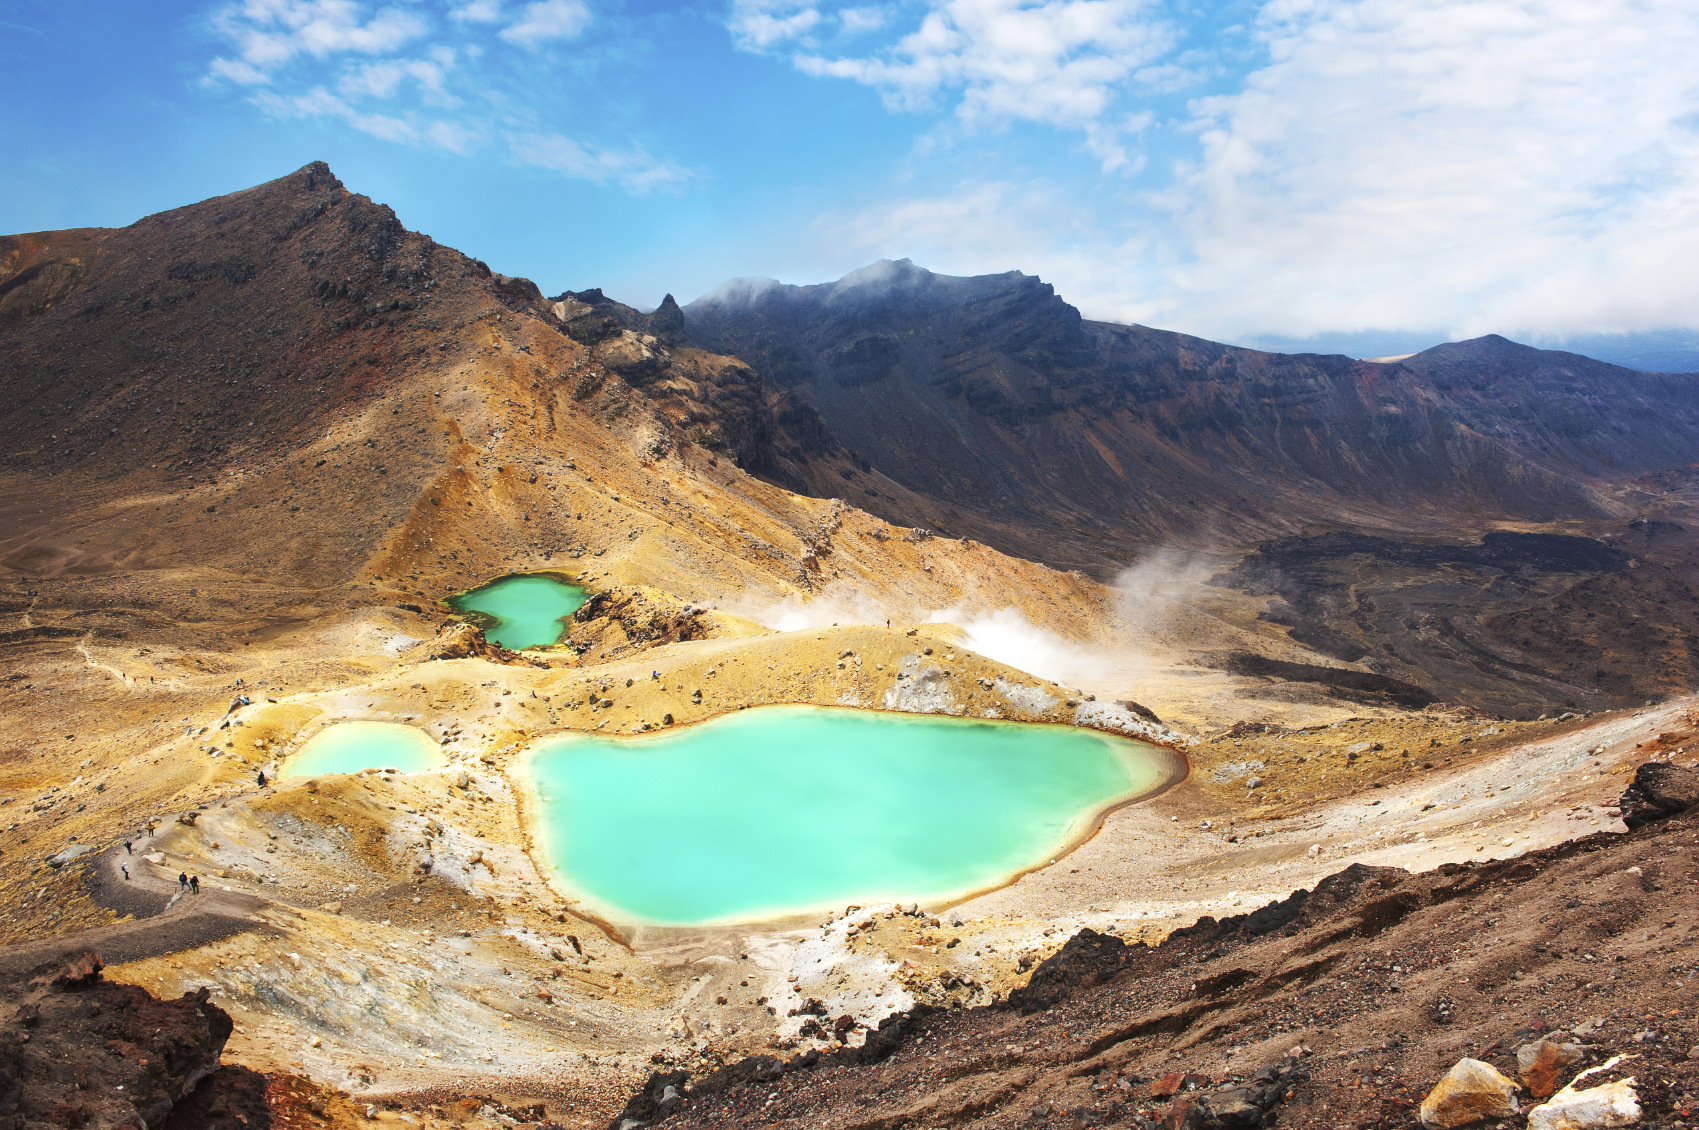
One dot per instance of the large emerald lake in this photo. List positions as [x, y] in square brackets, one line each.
[521, 612]
[786, 809]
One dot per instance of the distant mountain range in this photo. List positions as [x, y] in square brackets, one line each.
[1652, 351]
[1074, 441]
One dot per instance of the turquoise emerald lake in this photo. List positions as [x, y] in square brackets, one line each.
[348, 747]
[521, 612]
[787, 809]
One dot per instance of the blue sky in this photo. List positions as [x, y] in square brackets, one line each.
[1364, 171]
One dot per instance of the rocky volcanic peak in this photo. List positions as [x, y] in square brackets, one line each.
[208, 328]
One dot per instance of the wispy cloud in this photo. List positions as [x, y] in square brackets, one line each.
[632, 169]
[406, 128]
[267, 34]
[547, 20]
[477, 11]
[1058, 62]
[387, 72]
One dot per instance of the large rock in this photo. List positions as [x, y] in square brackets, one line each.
[1591, 1108]
[1659, 790]
[1086, 959]
[1469, 1092]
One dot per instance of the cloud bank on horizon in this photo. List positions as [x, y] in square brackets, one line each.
[1268, 167]
[1466, 165]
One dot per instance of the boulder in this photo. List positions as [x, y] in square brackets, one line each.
[1469, 1092]
[1542, 1064]
[1591, 1108]
[1185, 1113]
[1658, 790]
[70, 853]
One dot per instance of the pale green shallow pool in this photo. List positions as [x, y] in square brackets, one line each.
[521, 612]
[793, 808]
[348, 747]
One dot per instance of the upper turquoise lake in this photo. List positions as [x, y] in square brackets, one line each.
[785, 809]
[521, 612]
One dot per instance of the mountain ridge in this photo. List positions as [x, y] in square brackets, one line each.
[993, 396]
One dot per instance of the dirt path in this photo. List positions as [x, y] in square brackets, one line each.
[164, 919]
[95, 664]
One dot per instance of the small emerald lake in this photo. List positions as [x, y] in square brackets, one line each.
[786, 809]
[521, 612]
[348, 747]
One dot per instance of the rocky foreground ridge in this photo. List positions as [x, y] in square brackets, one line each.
[1340, 1006]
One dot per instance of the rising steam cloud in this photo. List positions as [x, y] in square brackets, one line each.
[1149, 598]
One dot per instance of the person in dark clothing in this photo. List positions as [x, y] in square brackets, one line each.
[128, 850]
[195, 883]
[261, 778]
[182, 882]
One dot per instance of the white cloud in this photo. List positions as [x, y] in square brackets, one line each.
[860, 21]
[477, 12]
[1476, 164]
[547, 20]
[407, 129]
[1055, 61]
[632, 169]
[759, 24]
[1468, 166]
[269, 33]
[383, 79]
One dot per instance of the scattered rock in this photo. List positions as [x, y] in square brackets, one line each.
[1543, 1063]
[1175, 1082]
[1658, 790]
[70, 853]
[1469, 1092]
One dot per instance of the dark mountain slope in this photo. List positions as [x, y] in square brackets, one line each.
[1076, 441]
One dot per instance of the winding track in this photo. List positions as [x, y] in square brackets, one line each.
[165, 921]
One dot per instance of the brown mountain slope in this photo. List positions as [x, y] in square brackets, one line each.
[1075, 441]
[286, 383]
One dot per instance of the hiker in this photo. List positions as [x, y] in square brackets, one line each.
[261, 778]
[125, 868]
[182, 882]
[128, 849]
[195, 883]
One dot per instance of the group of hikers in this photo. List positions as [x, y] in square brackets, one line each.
[185, 881]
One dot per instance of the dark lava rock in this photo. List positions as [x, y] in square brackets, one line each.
[82, 1053]
[1658, 790]
[1086, 959]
